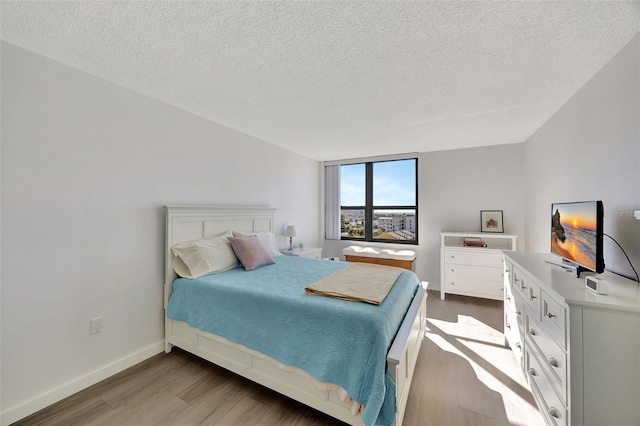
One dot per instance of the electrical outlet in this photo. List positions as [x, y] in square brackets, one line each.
[95, 325]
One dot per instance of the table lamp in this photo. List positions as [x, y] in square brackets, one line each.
[290, 232]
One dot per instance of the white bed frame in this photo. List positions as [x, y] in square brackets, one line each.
[193, 222]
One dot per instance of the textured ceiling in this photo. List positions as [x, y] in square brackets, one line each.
[335, 79]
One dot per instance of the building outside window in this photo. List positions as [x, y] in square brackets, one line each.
[378, 201]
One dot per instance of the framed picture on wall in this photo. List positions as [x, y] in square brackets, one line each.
[491, 221]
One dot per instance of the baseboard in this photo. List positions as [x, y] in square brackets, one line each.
[27, 408]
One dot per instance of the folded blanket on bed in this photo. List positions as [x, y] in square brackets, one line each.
[358, 282]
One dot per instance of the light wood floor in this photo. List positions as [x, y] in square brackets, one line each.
[464, 376]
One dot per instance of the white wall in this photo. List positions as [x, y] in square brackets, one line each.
[86, 167]
[590, 149]
[453, 186]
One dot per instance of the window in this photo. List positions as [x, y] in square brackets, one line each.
[379, 201]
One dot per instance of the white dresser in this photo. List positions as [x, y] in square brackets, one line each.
[579, 350]
[473, 271]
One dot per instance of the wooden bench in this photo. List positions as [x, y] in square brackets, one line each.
[398, 258]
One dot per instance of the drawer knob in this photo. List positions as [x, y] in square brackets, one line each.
[553, 412]
[508, 298]
[516, 280]
[451, 269]
[533, 297]
[507, 270]
[532, 332]
[518, 345]
[550, 315]
[553, 362]
[532, 372]
[523, 287]
[518, 313]
[508, 326]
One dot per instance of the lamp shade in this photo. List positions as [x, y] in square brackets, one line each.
[290, 231]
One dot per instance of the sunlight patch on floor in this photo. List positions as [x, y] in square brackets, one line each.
[482, 347]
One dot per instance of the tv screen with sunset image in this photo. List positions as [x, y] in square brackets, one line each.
[576, 233]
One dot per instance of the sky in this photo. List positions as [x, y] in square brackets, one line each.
[577, 214]
[394, 184]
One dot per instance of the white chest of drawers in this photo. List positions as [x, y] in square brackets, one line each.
[580, 351]
[473, 271]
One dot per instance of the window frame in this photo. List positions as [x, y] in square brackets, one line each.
[370, 208]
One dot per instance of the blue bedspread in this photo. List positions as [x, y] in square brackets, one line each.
[334, 340]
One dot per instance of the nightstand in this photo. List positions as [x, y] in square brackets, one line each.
[310, 252]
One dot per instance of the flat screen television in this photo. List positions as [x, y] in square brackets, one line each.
[576, 234]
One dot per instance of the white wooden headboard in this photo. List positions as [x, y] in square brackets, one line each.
[186, 223]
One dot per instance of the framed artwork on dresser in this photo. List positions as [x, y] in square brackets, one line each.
[491, 221]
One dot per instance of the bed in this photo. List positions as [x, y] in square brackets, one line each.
[186, 223]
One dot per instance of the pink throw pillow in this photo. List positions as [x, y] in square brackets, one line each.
[250, 252]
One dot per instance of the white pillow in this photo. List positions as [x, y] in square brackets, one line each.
[267, 240]
[196, 258]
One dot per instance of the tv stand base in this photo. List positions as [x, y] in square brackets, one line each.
[569, 267]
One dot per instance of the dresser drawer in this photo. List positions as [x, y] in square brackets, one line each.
[508, 283]
[456, 283]
[516, 305]
[509, 298]
[519, 311]
[549, 403]
[508, 272]
[474, 258]
[512, 332]
[475, 272]
[554, 317]
[551, 355]
[527, 289]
